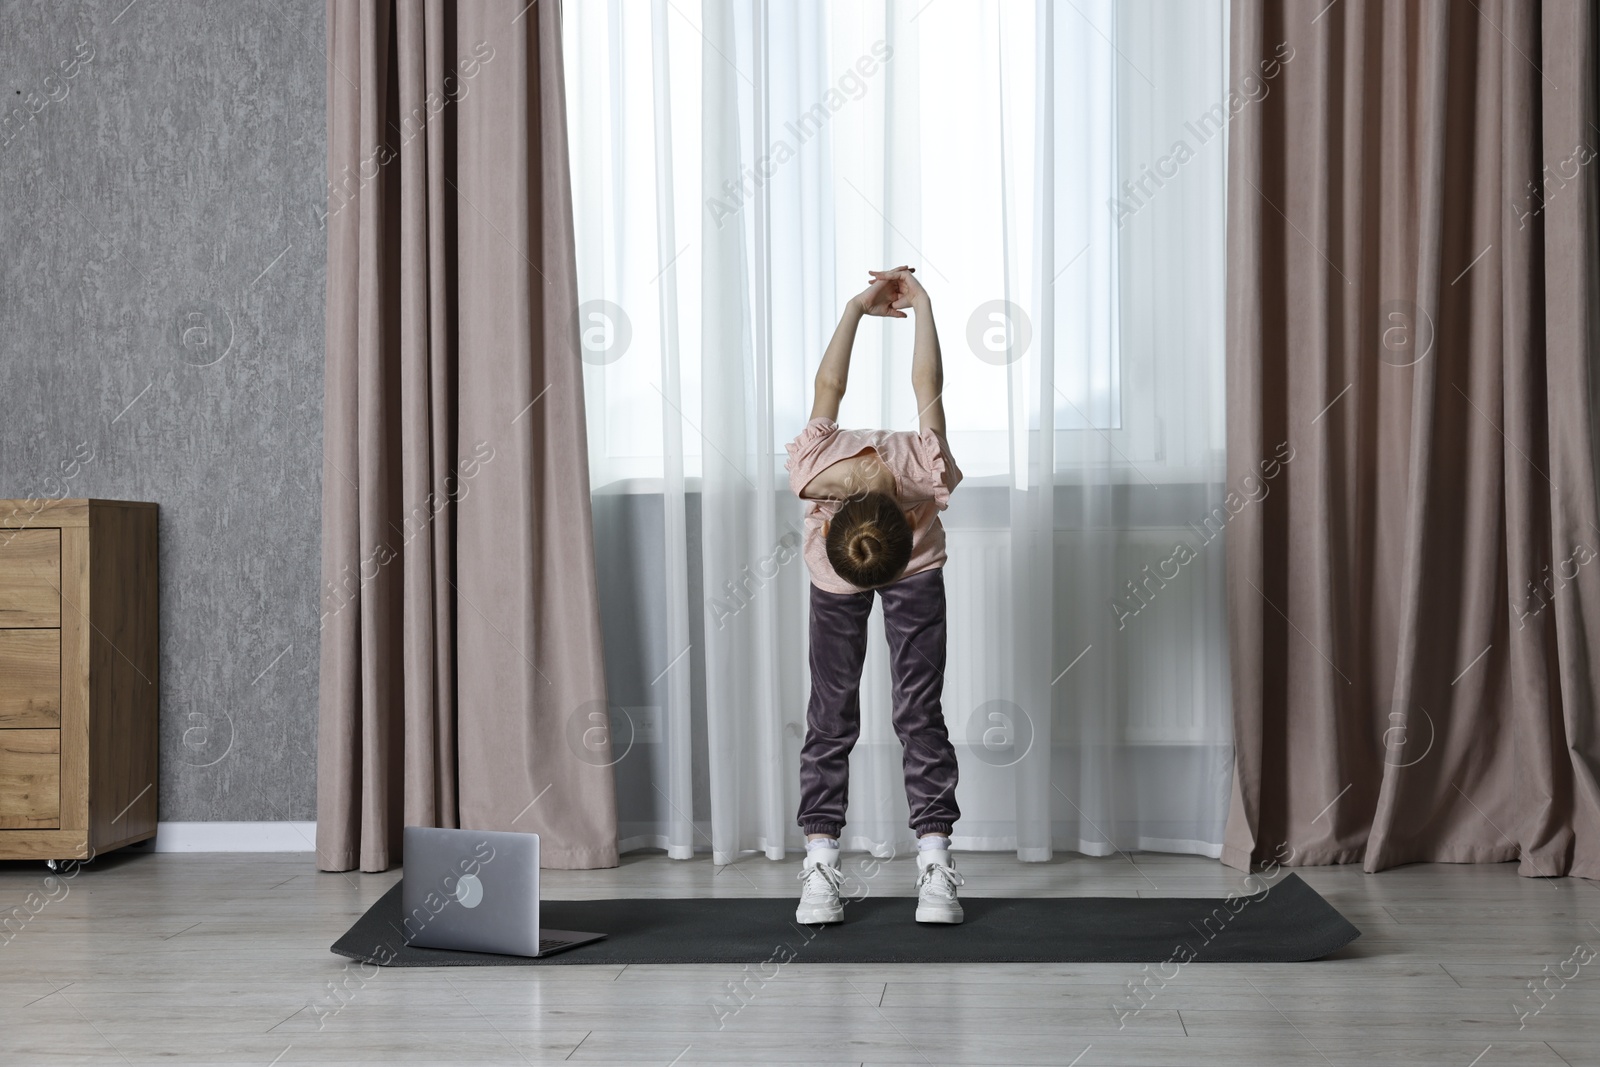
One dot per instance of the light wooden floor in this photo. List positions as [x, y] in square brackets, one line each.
[224, 958]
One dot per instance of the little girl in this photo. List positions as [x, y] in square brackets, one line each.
[872, 526]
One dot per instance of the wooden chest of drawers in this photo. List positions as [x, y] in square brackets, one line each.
[79, 688]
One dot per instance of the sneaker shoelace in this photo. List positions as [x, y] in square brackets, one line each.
[948, 877]
[830, 874]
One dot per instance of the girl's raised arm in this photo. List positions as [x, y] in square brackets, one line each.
[927, 363]
[879, 298]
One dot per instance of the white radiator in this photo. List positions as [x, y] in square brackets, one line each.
[1154, 678]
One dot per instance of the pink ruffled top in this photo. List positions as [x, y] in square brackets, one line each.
[924, 473]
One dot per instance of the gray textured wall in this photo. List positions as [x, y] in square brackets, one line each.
[161, 176]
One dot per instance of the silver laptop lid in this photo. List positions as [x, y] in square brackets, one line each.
[473, 890]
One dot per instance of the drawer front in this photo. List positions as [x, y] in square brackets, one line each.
[30, 779]
[30, 679]
[30, 578]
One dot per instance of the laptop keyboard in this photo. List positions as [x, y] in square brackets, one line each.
[550, 944]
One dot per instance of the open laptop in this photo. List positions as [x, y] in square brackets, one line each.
[477, 891]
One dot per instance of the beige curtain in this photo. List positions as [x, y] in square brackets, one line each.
[1414, 595]
[462, 680]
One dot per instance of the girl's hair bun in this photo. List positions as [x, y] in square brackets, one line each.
[869, 540]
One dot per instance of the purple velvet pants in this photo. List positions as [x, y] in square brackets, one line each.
[913, 619]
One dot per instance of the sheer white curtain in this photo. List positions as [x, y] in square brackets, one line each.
[1055, 173]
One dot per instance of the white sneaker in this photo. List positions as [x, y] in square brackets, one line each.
[936, 887]
[819, 895]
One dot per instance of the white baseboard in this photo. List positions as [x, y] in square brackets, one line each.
[236, 837]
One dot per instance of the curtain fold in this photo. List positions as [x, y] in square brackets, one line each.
[462, 676]
[1412, 288]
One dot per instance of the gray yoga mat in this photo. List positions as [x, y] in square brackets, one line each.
[1286, 923]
